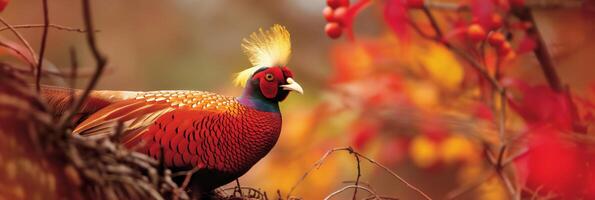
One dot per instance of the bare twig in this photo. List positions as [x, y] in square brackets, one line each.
[514, 156]
[433, 22]
[239, 187]
[469, 187]
[100, 62]
[359, 174]
[509, 187]
[502, 129]
[474, 63]
[56, 26]
[22, 39]
[185, 183]
[547, 66]
[543, 56]
[31, 64]
[44, 37]
[351, 151]
[351, 186]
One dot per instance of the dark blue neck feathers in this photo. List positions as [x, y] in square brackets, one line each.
[253, 98]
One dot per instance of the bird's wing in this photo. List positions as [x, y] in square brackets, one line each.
[134, 115]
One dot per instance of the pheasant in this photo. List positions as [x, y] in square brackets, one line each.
[221, 136]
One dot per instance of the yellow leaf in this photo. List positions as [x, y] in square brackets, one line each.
[424, 95]
[457, 148]
[442, 67]
[423, 151]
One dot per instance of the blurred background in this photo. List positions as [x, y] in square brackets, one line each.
[408, 104]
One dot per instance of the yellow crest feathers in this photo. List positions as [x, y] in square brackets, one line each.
[265, 49]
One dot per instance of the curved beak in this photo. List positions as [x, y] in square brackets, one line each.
[292, 85]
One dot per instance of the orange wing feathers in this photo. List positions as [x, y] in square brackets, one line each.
[141, 110]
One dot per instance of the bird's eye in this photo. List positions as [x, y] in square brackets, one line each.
[269, 77]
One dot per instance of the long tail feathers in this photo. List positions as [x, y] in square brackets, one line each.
[60, 99]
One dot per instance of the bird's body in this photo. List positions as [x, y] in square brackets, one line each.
[192, 129]
[221, 136]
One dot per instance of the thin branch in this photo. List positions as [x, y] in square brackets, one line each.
[513, 157]
[239, 187]
[474, 63]
[359, 174]
[22, 39]
[100, 62]
[395, 175]
[547, 66]
[44, 37]
[351, 151]
[481, 69]
[502, 129]
[74, 67]
[55, 26]
[543, 56]
[508, 184]
[315, 166]
[469, 187]
[433, 22]
[185, 183]
[21, 54]
[419, 31]
[351, 186]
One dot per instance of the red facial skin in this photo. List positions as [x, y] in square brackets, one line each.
[270, 81]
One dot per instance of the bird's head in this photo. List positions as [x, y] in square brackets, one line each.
[269, 77]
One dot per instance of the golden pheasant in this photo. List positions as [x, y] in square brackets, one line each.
[222, 136]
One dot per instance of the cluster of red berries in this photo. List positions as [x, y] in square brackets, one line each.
[334, 13]
[477, 33]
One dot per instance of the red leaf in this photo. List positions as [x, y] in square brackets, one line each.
[552, 164]
[482, 11]
[395, 15]
[541, 105]
[482, 111]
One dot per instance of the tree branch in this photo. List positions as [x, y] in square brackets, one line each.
[351, 186]
[22, 39]
[55, 26]
[100, 62]
[356, 154]
[44, 36]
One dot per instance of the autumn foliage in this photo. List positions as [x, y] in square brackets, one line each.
[537, 136]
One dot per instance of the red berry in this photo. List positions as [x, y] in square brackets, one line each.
[337, 3]
[339, 14]
[328, 14]
[475, 32]
[504, 49]
[414, 3]
[495, 21]
[333, 30]
[496, 39]
[3, 4]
